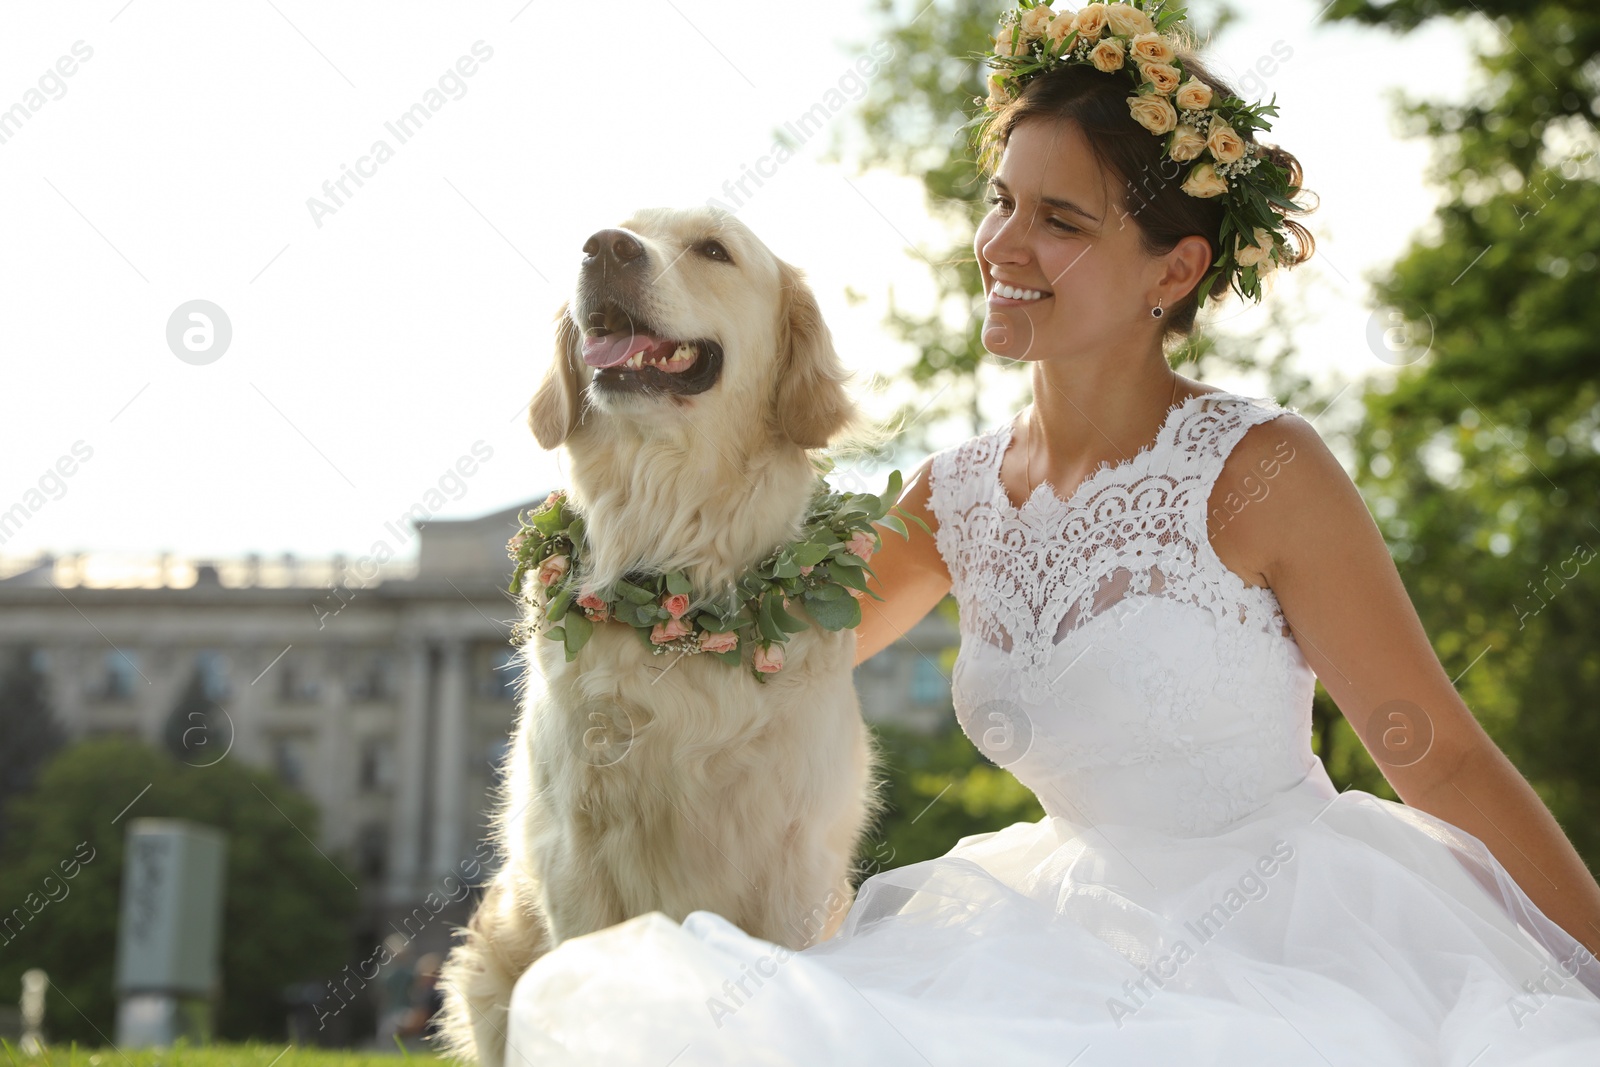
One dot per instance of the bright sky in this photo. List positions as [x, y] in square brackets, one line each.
[372, 352]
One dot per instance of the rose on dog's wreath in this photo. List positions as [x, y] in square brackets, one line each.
[824, 570]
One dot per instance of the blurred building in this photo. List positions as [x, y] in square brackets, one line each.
[383, 690]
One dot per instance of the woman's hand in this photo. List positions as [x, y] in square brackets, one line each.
[909, 573]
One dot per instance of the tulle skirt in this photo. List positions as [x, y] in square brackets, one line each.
[1326, 928]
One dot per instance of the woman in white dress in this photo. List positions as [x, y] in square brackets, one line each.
[1152, 574]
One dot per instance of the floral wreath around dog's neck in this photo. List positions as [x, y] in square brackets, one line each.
[1134, 38]
[824, 569]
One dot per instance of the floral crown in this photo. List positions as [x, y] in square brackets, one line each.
[1200, 129]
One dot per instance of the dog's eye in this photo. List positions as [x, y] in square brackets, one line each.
[715, 250]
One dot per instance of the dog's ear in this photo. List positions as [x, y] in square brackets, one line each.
[812, 403]
[555, 409]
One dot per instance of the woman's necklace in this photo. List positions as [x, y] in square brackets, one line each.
[1027, 455]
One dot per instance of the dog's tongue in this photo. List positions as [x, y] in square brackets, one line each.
[615, 348]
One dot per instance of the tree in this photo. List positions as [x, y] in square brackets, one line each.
[29, 732]
[193, 732]
[1481, 457]
[286, 906]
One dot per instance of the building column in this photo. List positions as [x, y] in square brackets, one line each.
[69, 665]
[405, 842]
[335, 765]
[449, 749]
[246, 703]
[157, 687]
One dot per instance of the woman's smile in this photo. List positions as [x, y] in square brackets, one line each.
[1002, 294]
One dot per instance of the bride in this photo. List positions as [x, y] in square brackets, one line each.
[1152, 575]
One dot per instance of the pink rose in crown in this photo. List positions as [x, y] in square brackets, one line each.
[551, 570]
[555, 494]
[724, 642]
[768, 659]
[862, 545]
[808, 568]
[669, 630]
[519, 539]
[676, 604]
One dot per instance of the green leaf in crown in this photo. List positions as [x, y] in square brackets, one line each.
[821, 574]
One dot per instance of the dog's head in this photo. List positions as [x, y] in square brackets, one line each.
[687, 308]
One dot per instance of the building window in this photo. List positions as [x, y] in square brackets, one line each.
[928, 686]
[295, 684]
[291, 758]
[503, 675]
[119, 672]
[213, 668]
[377, 764]
[372, 850]
[371, 681]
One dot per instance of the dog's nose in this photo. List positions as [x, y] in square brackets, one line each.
[619, 246]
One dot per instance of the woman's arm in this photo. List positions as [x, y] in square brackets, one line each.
[1309, 534]
[909, 574]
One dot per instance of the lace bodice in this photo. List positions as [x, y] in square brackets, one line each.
[1108, 657]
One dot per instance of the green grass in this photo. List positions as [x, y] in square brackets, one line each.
[250, 1054]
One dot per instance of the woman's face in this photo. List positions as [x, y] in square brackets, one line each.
[1057, 228]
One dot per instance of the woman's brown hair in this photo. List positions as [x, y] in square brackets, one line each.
[1097, 102]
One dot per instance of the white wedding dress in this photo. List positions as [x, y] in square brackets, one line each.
[1198, 892]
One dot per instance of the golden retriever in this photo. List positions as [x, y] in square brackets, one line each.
[693, 370]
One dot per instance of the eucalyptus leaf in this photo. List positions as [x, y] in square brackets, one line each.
[577, 631]
[810, 553]
[852, 577]
[839, 614]
[634, 592]
[765, 623]
[786, 622]
[558, 604]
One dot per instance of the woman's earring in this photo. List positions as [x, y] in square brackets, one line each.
[1156, 312]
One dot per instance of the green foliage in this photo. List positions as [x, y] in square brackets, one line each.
[939, 788]
[29, 733]
[286, 912]
[1481, 461]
